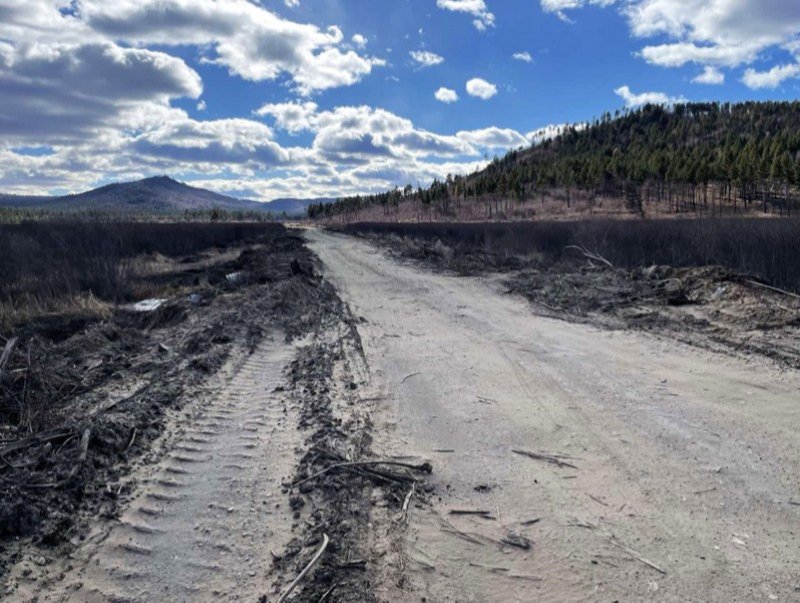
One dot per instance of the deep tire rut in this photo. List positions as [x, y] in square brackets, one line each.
[204, 524]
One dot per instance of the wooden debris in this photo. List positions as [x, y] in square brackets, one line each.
[771, 288]
[597, 500]
[553, 459]
[530, 522]
[6, 355]
[618, 543]
[328, 592]
[306, 570]
[133, 437]
[591, 256]
[469, 512]
[451, 529]
[517, 541]
[425, 467]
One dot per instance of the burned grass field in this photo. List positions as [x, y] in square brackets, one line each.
[125, 422]
[84, 391]
[728, 284]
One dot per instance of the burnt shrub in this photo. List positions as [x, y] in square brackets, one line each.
[45, 261]
[766, 248]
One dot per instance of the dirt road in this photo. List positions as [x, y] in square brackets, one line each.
[674, 472]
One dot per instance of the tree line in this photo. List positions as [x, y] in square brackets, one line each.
[710, 157]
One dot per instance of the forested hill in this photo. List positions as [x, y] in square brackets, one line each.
[682, 157]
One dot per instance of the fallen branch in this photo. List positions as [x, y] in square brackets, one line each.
[771, 288]
[328, 592]
[591, 255]
[618, 543]
[547, 458]
[517, 541]
[133, 437]
[469, 512]
[306, 570]
[423, 468]
[613, 540]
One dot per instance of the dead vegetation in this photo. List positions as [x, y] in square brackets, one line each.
[81, 397]
[83, 267]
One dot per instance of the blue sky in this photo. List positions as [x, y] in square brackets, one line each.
[331, 97]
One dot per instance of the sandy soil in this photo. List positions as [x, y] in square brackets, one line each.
[674, 473]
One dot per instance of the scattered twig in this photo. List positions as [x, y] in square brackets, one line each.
[492, 568]
[425, 467]
[328, 592]
[6, 355]
[597, 500]
[444, 450]
[618, 543]
[469, 512]
[133, 437]
[548, 458]
[530, 522]
[613, 540]
[706, 491]
[407, 377]
[517, 541]
[591, 256]
[306, 570]
[771, 288]
[403, 517]
[450, 528]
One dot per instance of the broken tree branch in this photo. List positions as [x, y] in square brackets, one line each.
[589, 255]
[771, 288]
[306, 570]
[425, 467]
[541, 456]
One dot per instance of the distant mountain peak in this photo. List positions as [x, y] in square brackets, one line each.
[156, 194]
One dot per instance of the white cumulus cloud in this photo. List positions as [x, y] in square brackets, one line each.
[425, 58]
[711, 76]
[524, 56]
[446, 95]
[480, 88]
[482, 17]
[633, 100]
[770, 79]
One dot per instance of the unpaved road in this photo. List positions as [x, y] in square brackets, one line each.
[684, 459]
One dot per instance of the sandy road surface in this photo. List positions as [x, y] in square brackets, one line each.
[683, 459]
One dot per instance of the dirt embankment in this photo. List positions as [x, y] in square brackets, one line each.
[81, 399]
[709, 306]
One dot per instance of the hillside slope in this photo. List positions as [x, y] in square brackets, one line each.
[687, 158]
